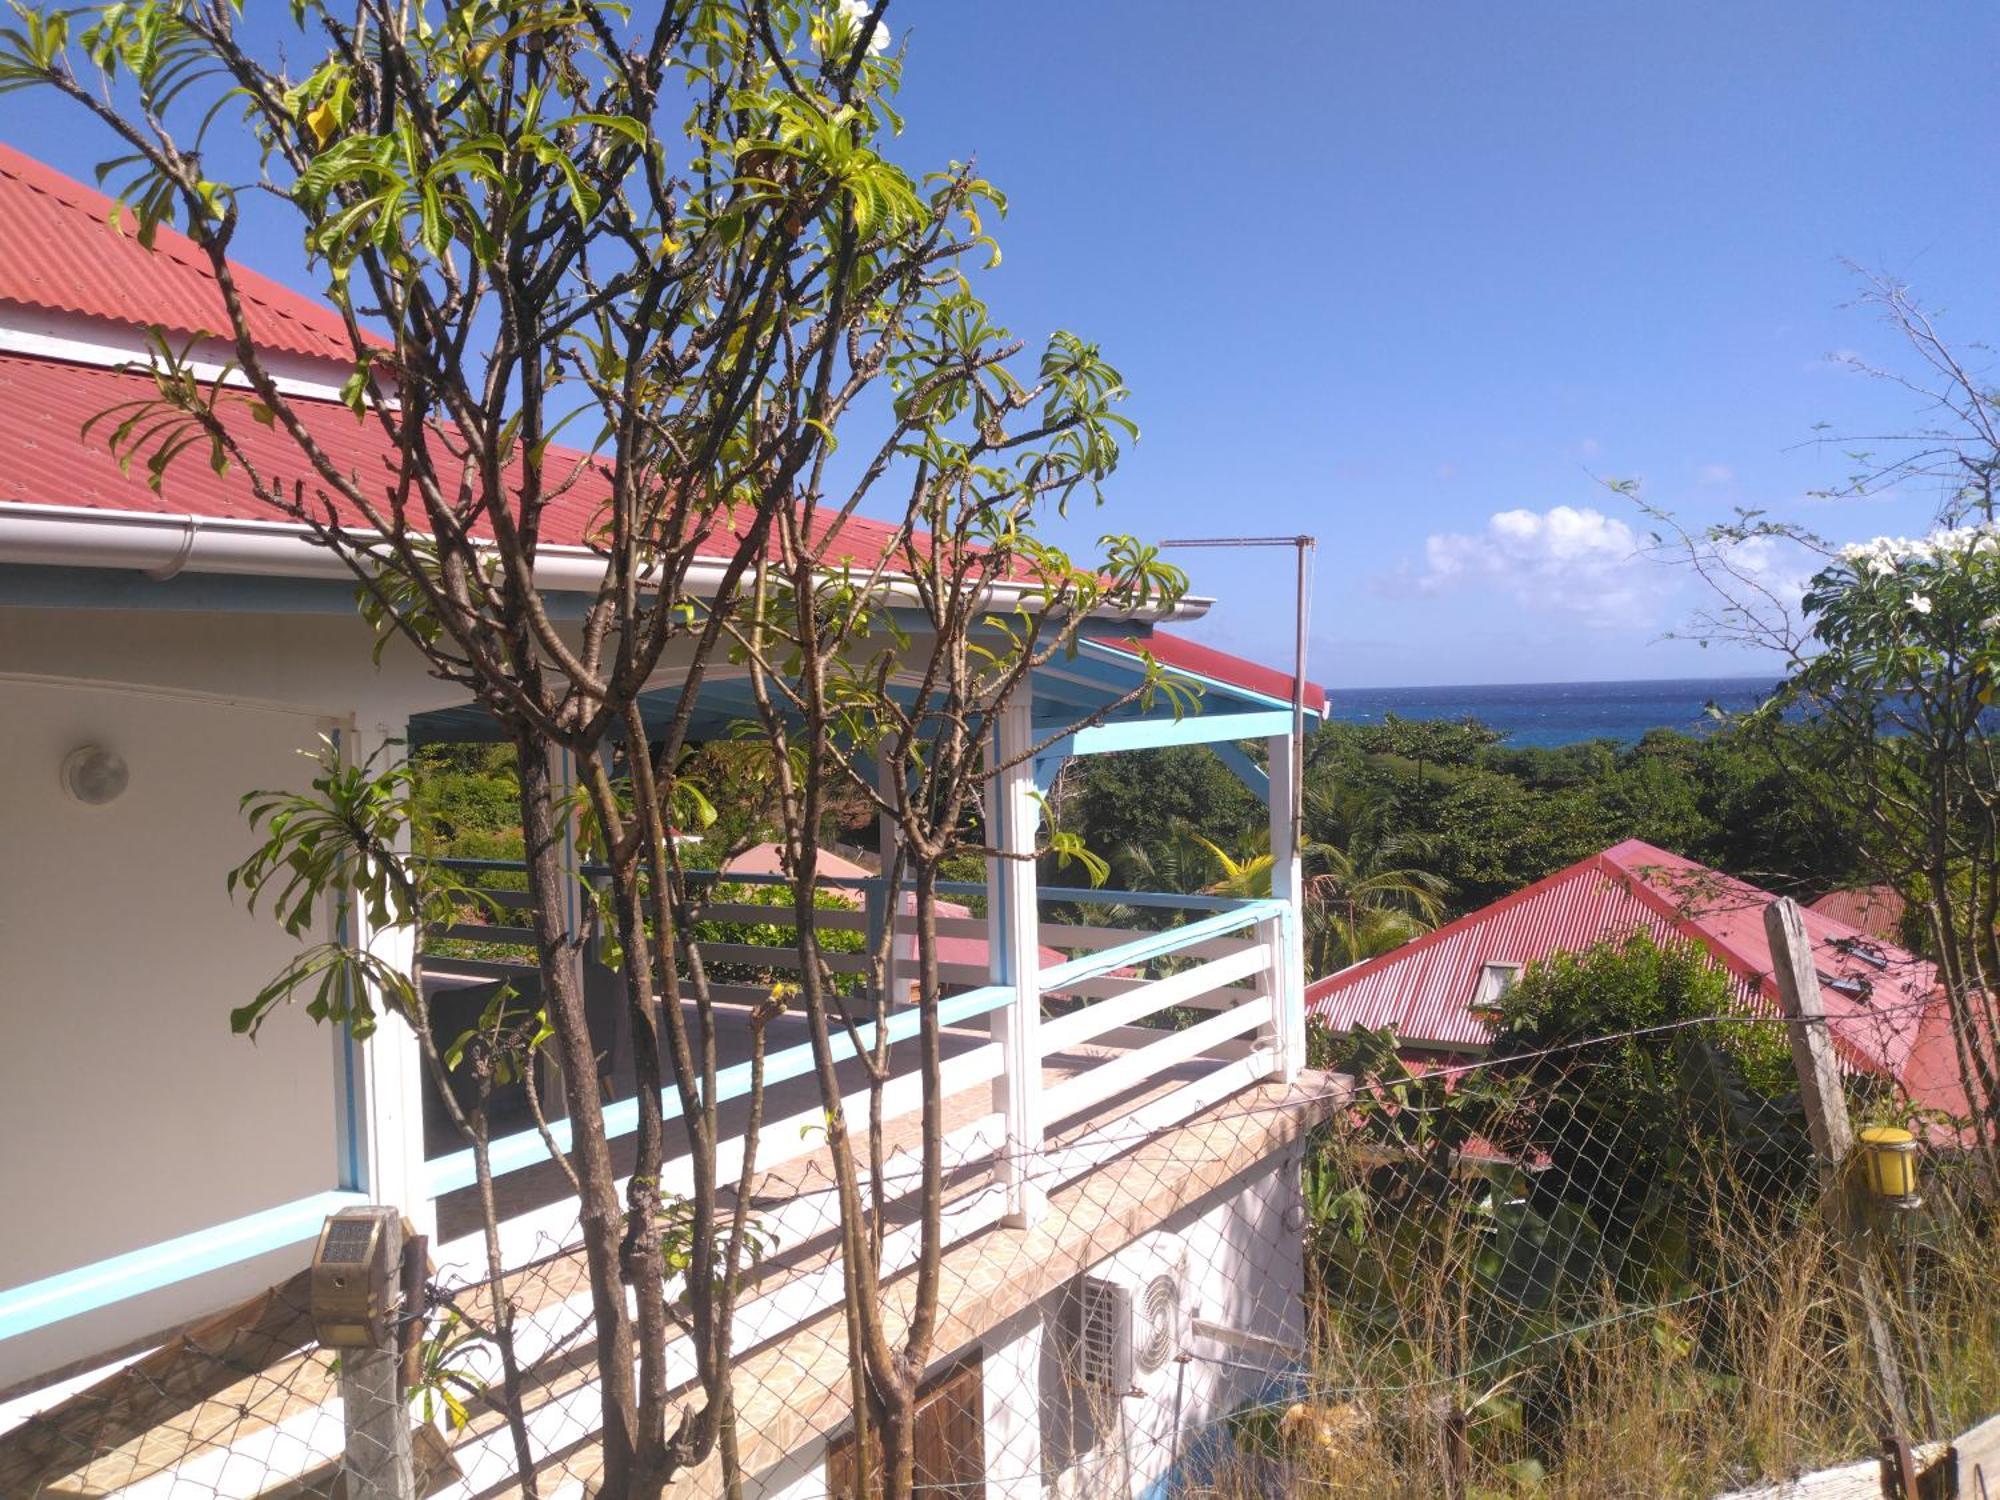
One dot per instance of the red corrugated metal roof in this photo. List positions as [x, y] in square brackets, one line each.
[1191, 656]
[1426, 988]
[64, 254]
[1876, 909]
[45, 460]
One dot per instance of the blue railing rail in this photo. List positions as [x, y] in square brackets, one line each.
[119, 1278]
[1080, 895]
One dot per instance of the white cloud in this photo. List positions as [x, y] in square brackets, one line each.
[1715, 474]
[1567, 558]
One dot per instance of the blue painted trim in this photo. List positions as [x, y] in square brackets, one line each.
[70, 1293]
[1153, 734]
[352, 1172]
[1048, 767]
[1247, 771]
[1106, 896]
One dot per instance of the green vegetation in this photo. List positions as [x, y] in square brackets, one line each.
[1408, 824]
[1597, 1263]
[1411, 823]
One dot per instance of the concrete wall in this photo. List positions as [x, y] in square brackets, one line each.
[130, 1113]
[1240, 1256]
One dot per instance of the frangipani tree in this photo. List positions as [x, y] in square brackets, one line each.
[675, 236]
[1889, 653]
[1900, 675]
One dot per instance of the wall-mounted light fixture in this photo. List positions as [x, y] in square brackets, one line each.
[94, 775]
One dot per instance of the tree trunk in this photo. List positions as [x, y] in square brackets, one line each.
[598, 1211]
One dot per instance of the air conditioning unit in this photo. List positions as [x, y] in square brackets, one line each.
[1131, 1317]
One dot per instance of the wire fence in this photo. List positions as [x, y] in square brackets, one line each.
[1605, 1267]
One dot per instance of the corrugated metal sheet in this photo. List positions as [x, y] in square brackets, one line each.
[60, 251]
[1878, 997]
[45, 459]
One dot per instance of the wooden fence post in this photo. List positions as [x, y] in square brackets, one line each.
[1825, 1102]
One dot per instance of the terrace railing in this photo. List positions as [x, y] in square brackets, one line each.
[1153, 1007]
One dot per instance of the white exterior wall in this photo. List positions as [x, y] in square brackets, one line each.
[1242, 1255]
[130, 1114]
[129, 1111]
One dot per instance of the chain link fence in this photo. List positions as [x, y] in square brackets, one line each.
[1610, 1267]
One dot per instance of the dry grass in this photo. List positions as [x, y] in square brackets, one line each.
[1757, 1372]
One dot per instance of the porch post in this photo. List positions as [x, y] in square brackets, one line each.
[1013, 930]
[385, 1080]
[1287, 934]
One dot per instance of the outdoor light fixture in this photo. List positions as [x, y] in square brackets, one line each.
[94, 775]
[1889, 1156]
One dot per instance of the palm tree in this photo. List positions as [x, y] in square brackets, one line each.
[1358, 905]
[1246, 879]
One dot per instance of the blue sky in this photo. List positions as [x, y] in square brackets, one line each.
[1385, 273]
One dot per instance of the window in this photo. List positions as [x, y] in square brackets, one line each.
[1494, 981]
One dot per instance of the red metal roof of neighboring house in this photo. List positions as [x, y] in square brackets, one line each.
[1876, 909]
[64, 254]
[1426, 988]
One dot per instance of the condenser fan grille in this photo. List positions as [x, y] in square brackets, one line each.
[1159, 1323]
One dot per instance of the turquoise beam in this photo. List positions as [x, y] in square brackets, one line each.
[1252, 775]
[1154, 734]
[23, 1309]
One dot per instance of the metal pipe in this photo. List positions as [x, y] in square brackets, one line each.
[1300, 616]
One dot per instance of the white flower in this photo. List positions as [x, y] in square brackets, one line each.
[1921, 603]
[1952, 546]
[855, 13]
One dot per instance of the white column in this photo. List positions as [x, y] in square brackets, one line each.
[386, 1080]
[1288, 992]
[1014, 930]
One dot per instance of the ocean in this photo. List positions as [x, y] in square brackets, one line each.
[1561, 713]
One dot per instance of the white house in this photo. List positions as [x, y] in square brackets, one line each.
[162, 653]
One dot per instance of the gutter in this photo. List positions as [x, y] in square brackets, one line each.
[162, 546]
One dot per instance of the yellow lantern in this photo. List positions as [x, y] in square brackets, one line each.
[1889, 1155]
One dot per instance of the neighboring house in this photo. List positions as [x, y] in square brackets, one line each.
[1877, 910]
[1885, 1011]
[158, 1169]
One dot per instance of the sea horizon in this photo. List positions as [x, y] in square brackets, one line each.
[1549, 714]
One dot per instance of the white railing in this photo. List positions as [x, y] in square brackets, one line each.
[1101, 985]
